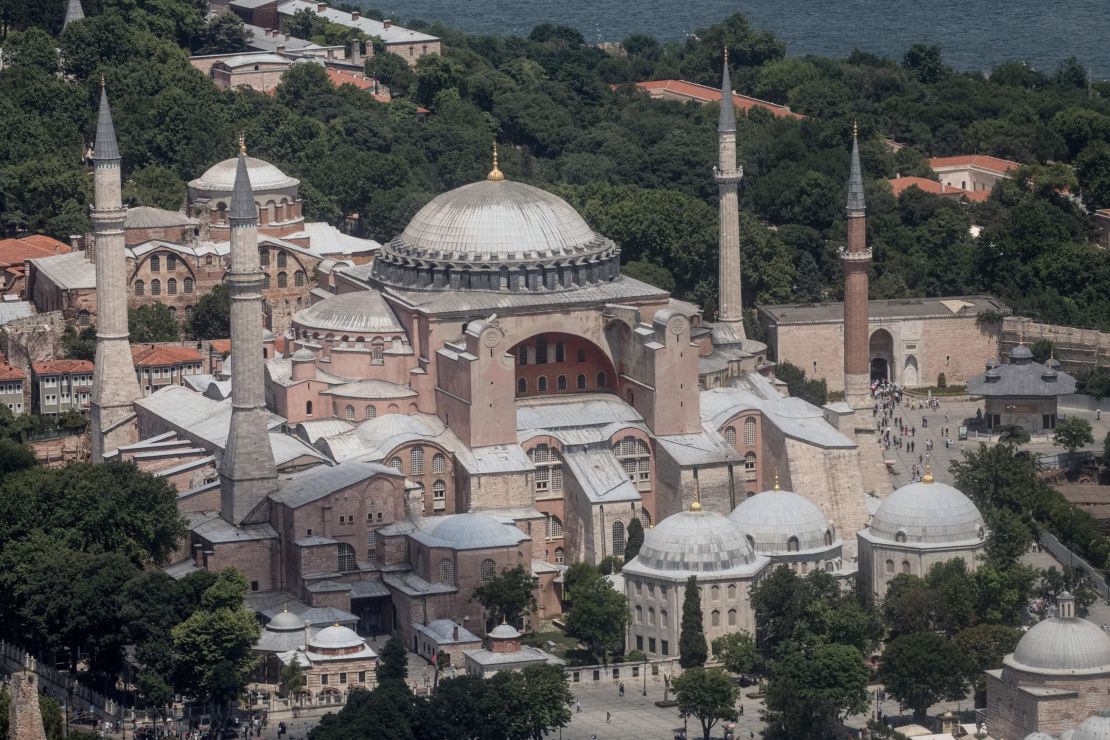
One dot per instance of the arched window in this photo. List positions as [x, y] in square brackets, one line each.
[639, 614]
[416, 461]
[731, 617]
[521, 386]
[439, 463]
[792, 544]
[581, 382]
[283, 280]
[346, 558]
[171, 262]
[601, 380]
[905, 566]
[282, 258]
[828, 538]
[171, 286]
[715, 618]
[554, 527]
[140, 287]
[731, 591]
[350, 412]
[173, 312]
[645, 518]
[749, 432]
[561, 383]
[377, 351]
[635, 458]
[447, 571]
[749, 466]
[730, 436]
[188, 313]
[156, 287]
[155, 264]
[541, 384]
[395, 463]
[371, 412]
[188, 285]
[487, 571]
[664, 621]
[298, 278]
[618, 538]
[651, 615]
[560, 556]
[266, 280]
[264, 257]
[439, 496]
[522, 354]
[308, 408]
[83, 318]
[900, 536]
[715, 593]
[549, 470]
[890, 567]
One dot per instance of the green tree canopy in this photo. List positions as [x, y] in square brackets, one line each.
[152, 323]
[393, 663]
[598, 616]
[922, 669]
[212, 314]
[692, 648]
[707, 694]
[737, 653]
[635, 539]
[808, 691]
[508, 596]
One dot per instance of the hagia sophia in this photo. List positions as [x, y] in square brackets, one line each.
[489, 391]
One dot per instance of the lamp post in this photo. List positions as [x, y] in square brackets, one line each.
[644, 669]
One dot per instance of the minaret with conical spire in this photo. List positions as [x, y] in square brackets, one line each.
[115, 387]
[73, 13]
[729, 311]
[855, 260]
[247, 472]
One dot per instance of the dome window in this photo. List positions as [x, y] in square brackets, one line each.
[792, 544]
[828, 538]
[900, 536]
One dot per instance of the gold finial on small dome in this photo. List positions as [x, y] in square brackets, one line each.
[495, 175]
[242, 144]
[776, 487]
[696, 506]
[928, 477]
[103, 81]
[855, 129]
[726, 55]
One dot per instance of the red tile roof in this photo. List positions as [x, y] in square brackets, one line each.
[705, 94]
[7, 372]
[901, 184]
[162, 355]
[980, 161]
[222, 346]
[15, 251]
[62, 367]
[361, 81]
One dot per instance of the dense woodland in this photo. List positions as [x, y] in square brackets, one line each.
[639, 170]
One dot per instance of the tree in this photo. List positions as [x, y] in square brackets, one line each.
[635, 539]
[1073, 432]
[985, 645]
[813, 391]
[925, 63]
[152, 323]
[293, 679]
[578, 574]
[921, 669]
[708, 694]
[15, 457]
[807, 691]
[156, 186]
[392, 71]
[393, 663]
[598, 616]
[692, 648]
[224, 34]
[1092, 168]
[650, 273]
[533, 702]
[807, 286]
[31, 49]
[1042, 349]
[80, 345]
[1012, 434]
[508, 596]
[737, 653]
[212, 314]
[434, 74]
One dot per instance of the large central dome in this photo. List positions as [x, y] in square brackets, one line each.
[497, 236]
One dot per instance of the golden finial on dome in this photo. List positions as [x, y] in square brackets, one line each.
[776, 487]
[696, 506]
[242, 144]
[726, 55]
[855, 129]
[103, 81]
[928, 478]
[495, 175]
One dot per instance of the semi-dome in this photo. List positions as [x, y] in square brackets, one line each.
[359, 312]
[336, 637]
[1094, 728]
[695, 542]
[773, 518]
[264, 176]
[285, 621]
[928, 513]
[1063, 645]
[499, 236]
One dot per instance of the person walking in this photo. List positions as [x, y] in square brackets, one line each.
[620, 690]
[578, 706]
[608, 718]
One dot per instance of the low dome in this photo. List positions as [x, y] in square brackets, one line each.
[303, 355]
[286, 621]
[470, 532]
[263, 176]
[336, 637]
[1094, 728]
[1063, 645]
[772, 518]
[360, 312]
[1021, 353]
[927, 513]
[695, 542]
[504, 631]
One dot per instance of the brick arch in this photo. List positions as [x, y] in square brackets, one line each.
[532, 370]
[139, 264]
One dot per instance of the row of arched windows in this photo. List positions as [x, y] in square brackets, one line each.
[416, 460]
[664, 618]
[749, 434]
[890, 567]
[542, 385]
[156, 286]
[283, 280]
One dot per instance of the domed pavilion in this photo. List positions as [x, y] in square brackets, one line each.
[1055, 681]
[335, 660]
[1022, 392]
[277, 197]
[916, 527]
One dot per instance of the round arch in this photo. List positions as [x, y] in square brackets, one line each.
[553, 354]
[881, 352]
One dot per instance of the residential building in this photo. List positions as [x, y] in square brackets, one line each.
[692, 92]
[12, 388]
[408, 44]
[159, 365]
[61, 385]
[14, 254]
[901, 184]
[972, 172]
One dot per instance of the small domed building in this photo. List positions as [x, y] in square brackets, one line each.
[1022, 392]
[276, 194]
[1057, 677]
[791, 530]
[916, 527]
[691, 543]
[335, 660]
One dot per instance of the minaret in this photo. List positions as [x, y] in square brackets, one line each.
[115, 386]
[855, 260]
[247, 472]
[729, 311]
[73, 13]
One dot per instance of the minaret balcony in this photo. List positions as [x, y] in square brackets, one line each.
[863, 255]
[728, 177]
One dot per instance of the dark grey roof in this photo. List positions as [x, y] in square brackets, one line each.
[896, 308]
[105, 148]
[73, 12]
[855, 181]
[242, 197]
[1021, 377]
[727, 121]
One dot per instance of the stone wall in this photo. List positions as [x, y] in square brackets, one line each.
[24, 719]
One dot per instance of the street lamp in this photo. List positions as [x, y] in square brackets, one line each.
[644, 669]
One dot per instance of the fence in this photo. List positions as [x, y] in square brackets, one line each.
[1064, 555]
[59, 685]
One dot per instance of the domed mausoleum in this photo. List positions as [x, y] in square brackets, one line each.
[691, 543]
[335, 660]
[1057, 677]
[914, 528]
[277, 198]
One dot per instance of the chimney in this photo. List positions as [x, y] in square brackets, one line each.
[321, 7]
[354, 15]
[356, 51]
[387, 23]
[280, 49]
[455, 633]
